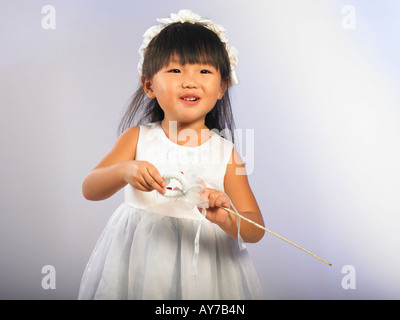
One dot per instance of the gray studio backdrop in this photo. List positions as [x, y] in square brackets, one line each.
[319, 91]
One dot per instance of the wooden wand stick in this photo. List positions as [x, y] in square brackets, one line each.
[276, 235]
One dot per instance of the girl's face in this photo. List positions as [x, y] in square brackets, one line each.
[186, 93]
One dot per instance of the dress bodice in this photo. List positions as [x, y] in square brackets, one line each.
[207, 161]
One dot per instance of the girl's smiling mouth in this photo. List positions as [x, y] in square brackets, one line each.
[190, 99]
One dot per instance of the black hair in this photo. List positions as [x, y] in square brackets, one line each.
[191, 43]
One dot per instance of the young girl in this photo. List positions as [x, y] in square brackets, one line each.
[171, 238]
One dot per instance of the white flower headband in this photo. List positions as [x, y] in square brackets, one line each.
[188, 16]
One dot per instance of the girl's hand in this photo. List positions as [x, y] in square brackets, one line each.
[144, 176]
[216, 199]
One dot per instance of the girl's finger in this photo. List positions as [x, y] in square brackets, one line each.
[153, 172]
[141, 187]
[217, 199]
[152, 184]
[141, 184]
[222, 201]
[212, 197]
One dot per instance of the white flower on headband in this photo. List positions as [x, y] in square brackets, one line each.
[184, 16]
[188, 16]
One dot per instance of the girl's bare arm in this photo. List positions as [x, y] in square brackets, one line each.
[119, 167]
[239, 191]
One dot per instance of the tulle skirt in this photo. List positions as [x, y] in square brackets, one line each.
[145, 255]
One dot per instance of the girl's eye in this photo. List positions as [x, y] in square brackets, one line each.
[205, 71]
[174, 71]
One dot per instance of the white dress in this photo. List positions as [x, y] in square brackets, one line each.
[154, 247]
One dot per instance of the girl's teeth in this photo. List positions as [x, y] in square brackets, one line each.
[190, 99]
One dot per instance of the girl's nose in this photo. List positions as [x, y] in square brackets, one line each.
[190, 82]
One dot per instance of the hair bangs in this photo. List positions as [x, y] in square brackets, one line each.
[191, 44]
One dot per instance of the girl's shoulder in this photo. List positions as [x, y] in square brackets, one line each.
[131, 132]
[127, 141]
[131, 135]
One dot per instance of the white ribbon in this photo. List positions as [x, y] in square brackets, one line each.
[190, 192]
[197, 243]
